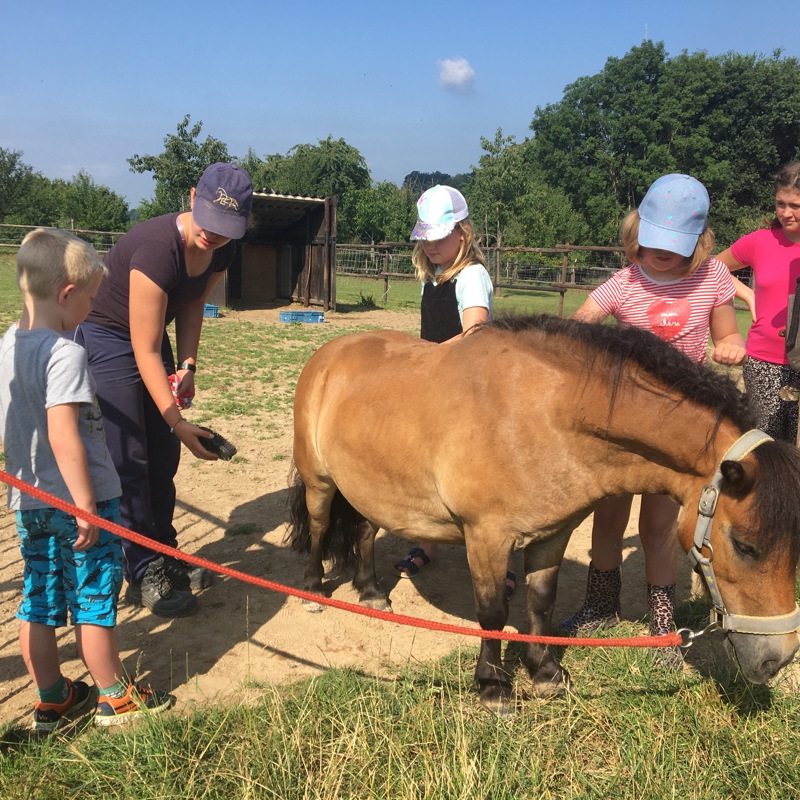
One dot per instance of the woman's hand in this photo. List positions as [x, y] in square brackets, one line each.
[190, 435]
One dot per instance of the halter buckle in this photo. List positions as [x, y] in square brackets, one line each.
[688, 636]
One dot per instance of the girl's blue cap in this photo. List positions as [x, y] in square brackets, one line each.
[673, 214]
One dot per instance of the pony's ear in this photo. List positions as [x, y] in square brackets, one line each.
[738, 477]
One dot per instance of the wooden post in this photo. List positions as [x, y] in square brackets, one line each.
[385, 276]
[562, 291]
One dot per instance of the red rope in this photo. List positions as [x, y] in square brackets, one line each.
[667, 640]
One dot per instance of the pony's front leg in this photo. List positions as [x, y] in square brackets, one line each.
[542, 564]
[365, 580]
[487, 564]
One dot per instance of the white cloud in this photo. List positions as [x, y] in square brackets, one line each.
[456, 75]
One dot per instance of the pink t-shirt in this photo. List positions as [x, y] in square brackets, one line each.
[679, 311]
[776, 267]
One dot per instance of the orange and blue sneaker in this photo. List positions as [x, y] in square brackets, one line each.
[137, 700]
[48, 717]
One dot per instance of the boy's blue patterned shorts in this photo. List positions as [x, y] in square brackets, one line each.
[57, 578]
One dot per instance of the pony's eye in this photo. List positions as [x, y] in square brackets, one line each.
[744, 549]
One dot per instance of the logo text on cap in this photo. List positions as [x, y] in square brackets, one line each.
[225, 200]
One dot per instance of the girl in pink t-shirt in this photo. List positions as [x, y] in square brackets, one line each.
[675, 290]
[774, 255]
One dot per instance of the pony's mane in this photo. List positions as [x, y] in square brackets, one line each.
[776, 506]
[661, 360]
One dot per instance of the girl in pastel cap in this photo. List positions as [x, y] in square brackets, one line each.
[673, 288]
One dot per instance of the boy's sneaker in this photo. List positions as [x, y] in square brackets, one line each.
[137, 700]
[186, 577]
[160, 594]
[50, 716]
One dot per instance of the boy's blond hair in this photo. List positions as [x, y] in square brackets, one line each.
[629, 233]
[50, 258]
[468, 253]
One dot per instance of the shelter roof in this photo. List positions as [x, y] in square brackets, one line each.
[274, 212]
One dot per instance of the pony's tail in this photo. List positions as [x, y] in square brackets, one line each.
[340, 540]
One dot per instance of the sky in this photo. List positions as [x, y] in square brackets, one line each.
[412, 85]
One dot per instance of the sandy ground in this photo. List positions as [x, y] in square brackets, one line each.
[235, 514]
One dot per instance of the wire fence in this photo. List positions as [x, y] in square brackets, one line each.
[11, 236]
[557, 269]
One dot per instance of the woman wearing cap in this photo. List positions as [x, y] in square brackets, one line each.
[673, 289]
[774, 255]
[456, 296]
[161, 271]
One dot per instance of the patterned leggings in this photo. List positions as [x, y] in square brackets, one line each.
[763, 381]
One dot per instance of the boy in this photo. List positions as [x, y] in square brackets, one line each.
[53, 439]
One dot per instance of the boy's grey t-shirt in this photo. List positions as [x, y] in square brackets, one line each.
[40, 369]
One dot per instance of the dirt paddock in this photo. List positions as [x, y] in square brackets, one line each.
[235, 514]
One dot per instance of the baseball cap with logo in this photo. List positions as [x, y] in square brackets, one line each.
[438, 211]
[673, 214]
[223, 199]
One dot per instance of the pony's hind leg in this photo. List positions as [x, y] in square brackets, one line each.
[318, 500]
[365, 580]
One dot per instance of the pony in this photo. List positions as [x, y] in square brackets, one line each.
[507, 438]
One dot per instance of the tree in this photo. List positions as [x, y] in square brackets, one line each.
[37, 205]
[256, 169]
[418, 182]
[329, 168]
[86, 205]
[512, 204]
[15, 180]
[729, 120]
[179, 167]
[383, 213]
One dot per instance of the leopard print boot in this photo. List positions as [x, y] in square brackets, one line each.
[661, 602]
[600, 609]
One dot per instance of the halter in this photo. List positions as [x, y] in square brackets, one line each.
[720, 618]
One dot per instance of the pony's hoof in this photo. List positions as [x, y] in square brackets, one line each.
[503, 708]
[378, 604]
[552, 689]
[549, 691]
[497, 697]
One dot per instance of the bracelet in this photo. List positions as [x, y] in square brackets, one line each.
[172, 429]
[188, 365]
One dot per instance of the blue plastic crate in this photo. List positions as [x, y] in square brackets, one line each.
[210, 310]
[302, 316]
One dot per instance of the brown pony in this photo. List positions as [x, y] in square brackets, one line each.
[508, 437]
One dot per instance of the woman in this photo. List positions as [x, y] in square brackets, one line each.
[774, 255]
[159, 272]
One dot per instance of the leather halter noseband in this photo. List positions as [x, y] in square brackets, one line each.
[720, 618]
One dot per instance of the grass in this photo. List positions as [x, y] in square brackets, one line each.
[626, 730]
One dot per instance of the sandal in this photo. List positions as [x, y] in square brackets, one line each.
[408, 568]
[511, 584]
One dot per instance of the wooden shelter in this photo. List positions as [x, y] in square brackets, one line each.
[288, 254]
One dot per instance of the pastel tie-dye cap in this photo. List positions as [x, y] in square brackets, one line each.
[438, 211]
